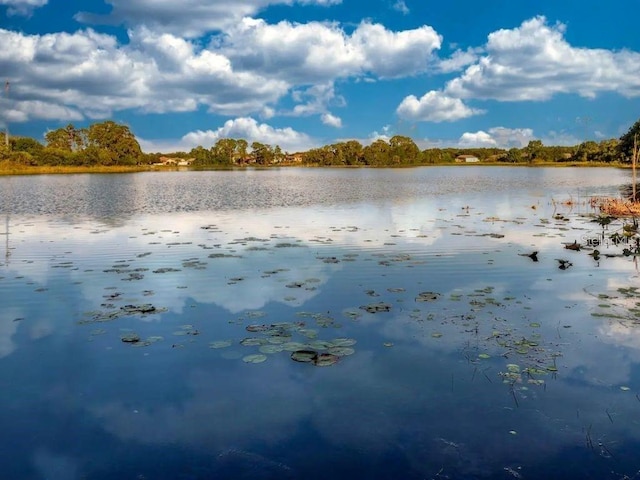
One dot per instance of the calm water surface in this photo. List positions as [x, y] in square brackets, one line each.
[458, 356]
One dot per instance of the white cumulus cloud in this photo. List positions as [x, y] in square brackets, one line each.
[331, 120]
[532, 62]
[535, 62]
[401, 7]
[247, 128]
[500, 137]
[22, 7]
[188, 18]
[435, 106]
[477, 139]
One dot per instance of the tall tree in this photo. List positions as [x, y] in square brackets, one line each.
[117, 141]
[263, 154]
[625, 147]
[403, 150]
[377, 154]
[533, 150]
[223, 152]
[69, 138]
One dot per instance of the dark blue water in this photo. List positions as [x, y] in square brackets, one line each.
[451, 354]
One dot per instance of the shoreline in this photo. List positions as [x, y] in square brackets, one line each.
[14, 169]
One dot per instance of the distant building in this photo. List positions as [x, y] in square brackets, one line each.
[467, 159]
[294, 158]
[173, 161]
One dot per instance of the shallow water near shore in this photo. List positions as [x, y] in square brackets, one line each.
[310, 323]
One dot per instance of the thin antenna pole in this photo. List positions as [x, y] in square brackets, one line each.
[634, 160]
[6, 130]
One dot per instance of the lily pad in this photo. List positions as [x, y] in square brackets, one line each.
[220, 344]
[341, 351]
[376, 307]
[325, 359]
[427, 297]
[343, 342]
[255, 358]
[253, 342]
[270, 349]
[294, 346]
[130, 337]
[305, 356]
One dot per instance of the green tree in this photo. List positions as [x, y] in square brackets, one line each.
[117, 141]
[514, 155]
[625, 147]
[609, 150]
[262, 153]
[26, 144]
[201, 155]
[587, 151]
[69, 138]
[240, 152]
[403, 150]
[533, 150]
[352, 152]
[377, 154]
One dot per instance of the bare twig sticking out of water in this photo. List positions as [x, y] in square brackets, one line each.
[589, 439]
[608, 415]
[513, 394]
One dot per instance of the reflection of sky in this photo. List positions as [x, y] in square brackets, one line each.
[426, 402]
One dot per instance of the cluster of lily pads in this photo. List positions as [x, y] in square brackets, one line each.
[295, 338]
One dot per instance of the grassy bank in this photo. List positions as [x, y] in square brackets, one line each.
[11, 168]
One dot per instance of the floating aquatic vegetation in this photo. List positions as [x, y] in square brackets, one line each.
[341, 351]
[220, 344]
[352, 314]
[329, 259]
[254, 358]
[315, 358]
[269, 349]
[166, 270]
[343, 342]
[320, 345]
[325, 359]
[130, 337]
[304, 356]
[308, 332]
[377, 307]
[324, 321]
[143, 309]
[253, 342]
[224, 255]
[427, 297]
[287, 245]
[293, 346]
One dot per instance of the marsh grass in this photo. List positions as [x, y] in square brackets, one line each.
[617, 207]
[12, 168]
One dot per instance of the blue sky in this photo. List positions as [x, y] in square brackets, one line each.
[304, 73]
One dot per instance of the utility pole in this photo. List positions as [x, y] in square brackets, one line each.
[6, 129]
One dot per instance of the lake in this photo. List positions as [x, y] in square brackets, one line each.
[318, 324]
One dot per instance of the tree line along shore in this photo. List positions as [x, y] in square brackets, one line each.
[109, 146]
